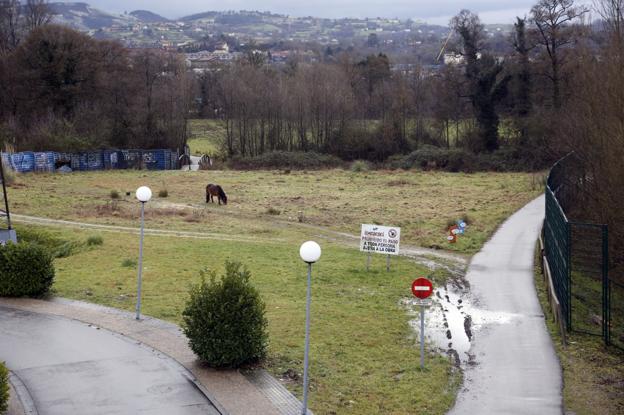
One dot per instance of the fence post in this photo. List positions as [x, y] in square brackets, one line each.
[606, 287]
[568, 229]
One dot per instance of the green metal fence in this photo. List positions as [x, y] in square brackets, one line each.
[578, 258]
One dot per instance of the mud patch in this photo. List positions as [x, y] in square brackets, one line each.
[452, 321]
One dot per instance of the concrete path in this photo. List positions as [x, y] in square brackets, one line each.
[34, 335]
[516, 370]
[70, 368]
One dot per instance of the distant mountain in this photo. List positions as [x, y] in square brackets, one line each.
[148, 17]
[84, 17]
[200, 16]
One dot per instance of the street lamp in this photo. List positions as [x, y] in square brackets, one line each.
[143, 194]
[310, 252]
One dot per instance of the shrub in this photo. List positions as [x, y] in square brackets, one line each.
[224, 319]
[25, 270]
[285, 160]
[114, 194]
[4, 388]
[129, 263]
[163, 193]
[95, 240]
[57, 247]
[272, 211]
[359, 166]
[435, 158]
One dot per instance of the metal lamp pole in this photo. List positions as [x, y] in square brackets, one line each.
[6, 200]
[310, 252]
[307, 343]
[143, 194]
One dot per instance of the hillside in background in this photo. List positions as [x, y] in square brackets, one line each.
[81, 16]
[148, 17]
[404, 41]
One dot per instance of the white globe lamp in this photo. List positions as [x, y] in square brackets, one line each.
[310, 252]
[144, 194]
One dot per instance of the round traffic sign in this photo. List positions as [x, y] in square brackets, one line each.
[422, 288]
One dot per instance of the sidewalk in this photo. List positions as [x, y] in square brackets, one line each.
[516, 370]
[230, 391]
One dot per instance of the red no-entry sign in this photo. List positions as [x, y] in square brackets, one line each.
[422, 288]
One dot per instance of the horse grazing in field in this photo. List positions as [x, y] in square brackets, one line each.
[215, 190]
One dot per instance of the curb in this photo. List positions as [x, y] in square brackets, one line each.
[23, 397]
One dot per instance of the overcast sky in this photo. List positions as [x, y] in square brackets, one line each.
[433, 11]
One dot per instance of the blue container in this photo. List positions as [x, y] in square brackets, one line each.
[23, 162]
[44, 162]
[92, 161]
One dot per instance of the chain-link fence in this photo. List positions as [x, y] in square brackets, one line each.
[578, 258]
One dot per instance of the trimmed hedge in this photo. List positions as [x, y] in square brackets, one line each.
[4, 388]
[224, 319]
[297, 160]
[25, 270]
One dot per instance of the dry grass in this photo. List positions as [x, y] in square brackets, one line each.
[421, 203]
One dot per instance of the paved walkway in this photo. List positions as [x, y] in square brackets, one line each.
[71, 368]
[81, 358]
[516, 370]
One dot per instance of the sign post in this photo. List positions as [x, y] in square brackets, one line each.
[380, 239]
[422, 288]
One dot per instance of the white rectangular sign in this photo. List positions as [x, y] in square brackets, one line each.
[426, 302]
[380, 239]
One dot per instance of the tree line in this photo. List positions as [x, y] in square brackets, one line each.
[365, 107]
[62, 90]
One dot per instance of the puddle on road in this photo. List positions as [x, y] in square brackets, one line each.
[452, 321]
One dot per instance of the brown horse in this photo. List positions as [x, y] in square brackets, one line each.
[215, 190]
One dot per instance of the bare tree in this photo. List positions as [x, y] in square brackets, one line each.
[552, 19]
[612, 13]
[36, 14]
[9, 25]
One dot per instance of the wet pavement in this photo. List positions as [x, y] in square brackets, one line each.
[69, 367]
[512, 366]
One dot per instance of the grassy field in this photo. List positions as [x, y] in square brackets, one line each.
[270, 204]
[593, 375]
[364, 358]
[206, 137]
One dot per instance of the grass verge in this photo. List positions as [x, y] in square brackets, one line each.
[364, 358]
[593, 375]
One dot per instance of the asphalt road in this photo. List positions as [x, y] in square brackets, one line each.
[72, 368]
[515, 370]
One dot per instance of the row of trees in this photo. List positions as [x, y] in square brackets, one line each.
[62, 90]
[592, 125]
[365, 107]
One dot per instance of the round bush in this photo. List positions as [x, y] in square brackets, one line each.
[25, 270]
[224, 319]
[4, 388]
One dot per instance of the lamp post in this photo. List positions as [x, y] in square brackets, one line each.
[143, 194]
[310, 252]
